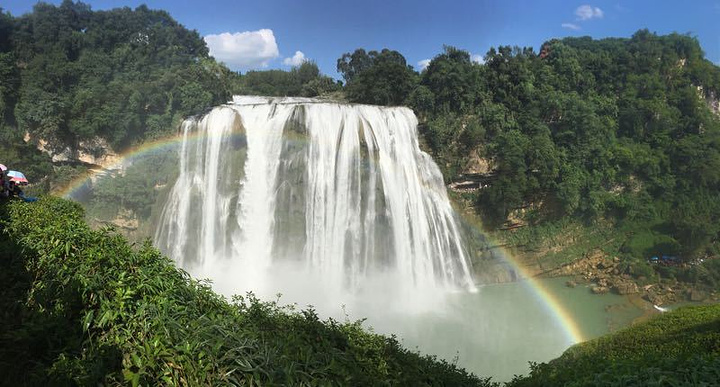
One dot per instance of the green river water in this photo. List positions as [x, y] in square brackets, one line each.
[498, 330]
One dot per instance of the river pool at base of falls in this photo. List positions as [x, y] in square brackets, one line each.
[498, 330]
[494, 332]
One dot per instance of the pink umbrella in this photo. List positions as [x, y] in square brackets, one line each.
[17, 177]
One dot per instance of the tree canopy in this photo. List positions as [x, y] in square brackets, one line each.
[304, 80]
[121, 74]
[379, 78]
[613, 129]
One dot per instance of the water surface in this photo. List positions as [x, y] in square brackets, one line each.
[498, 330]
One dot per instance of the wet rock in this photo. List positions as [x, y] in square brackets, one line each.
[626, 288]
[653, 298]
[571, 284]
[600, 289]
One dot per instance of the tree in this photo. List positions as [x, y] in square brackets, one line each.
[304, 80]
[453, 79]
[380, 78]
[118, 74]
[352, 64]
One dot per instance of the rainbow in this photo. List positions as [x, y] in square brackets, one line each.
[163, 144]
[133, 152]
[548, 299]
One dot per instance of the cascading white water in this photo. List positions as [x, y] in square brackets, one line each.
[340, 193]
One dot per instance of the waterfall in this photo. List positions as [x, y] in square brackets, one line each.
[339, 191]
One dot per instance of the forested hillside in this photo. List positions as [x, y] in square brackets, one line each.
[614, 132]
[69, 74]
[121, 74]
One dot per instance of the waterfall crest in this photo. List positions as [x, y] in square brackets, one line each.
[342, 191]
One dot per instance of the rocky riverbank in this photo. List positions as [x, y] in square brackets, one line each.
[606, 276]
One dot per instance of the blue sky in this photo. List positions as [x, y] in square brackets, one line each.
[264, 34]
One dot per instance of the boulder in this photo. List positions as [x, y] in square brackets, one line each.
[626, 287]
[571, 284]
[653, 298]
[697, 295]
[600, 290]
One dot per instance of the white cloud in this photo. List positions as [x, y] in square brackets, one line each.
[587, 12]
[477, 58]
[423, 64]
[244, 50]
[296, 60]
[571, 26]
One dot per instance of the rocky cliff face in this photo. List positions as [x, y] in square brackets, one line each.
[713, 103]
[711, 99]
[95, 153]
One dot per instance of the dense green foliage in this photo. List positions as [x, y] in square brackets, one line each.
[121, 74]
[379, 78]
[83, 307]
[69, 74]
[678, 348]
[303, 81]
[614, 129]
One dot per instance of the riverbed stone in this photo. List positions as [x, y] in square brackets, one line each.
[626, 287]
[600, 289]
[697, 295]
[653, 297]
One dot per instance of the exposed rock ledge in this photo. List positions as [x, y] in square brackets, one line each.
[711, 100]
[125, 219]
[475, 176]
[605, 275]
[94, 153]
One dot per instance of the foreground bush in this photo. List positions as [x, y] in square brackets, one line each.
[82, 307]
[675, 349]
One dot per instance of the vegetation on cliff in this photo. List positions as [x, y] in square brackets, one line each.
[613, 133]
[124, 75]
[84, 307]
